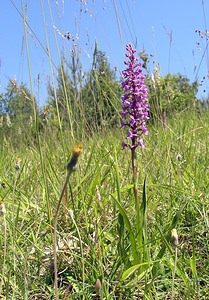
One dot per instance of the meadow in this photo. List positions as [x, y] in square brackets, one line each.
[97, 221]
[101, 231]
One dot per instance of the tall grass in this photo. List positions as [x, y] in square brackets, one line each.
[97, 231]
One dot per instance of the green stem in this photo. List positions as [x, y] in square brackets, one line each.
[174, 272]
[137, 206]
[134, 173]
[55, 234]
[5, 252]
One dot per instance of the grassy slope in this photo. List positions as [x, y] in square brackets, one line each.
[94, 239]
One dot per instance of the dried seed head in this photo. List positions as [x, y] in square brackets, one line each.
[17, 165]
[98, 287]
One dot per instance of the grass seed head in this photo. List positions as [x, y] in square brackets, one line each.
[98, 287]
[17, 165]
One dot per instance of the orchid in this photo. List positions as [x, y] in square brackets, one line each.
[134, 101]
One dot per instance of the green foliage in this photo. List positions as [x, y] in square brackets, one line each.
[17, 103]
[170, 94]
[17, 112]
[90, 100]
[64, 98]
[97, 232]
[100, 233]
[101, 94]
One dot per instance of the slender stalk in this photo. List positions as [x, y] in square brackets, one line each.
[17, 167]
[69, 109]
[137, 205]
[134, 173]
[71, 167]
[174, 242]
[174, 273]
[55, 234]
[81, 248]
[3, 211]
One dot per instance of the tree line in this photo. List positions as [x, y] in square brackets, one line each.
[91, 100]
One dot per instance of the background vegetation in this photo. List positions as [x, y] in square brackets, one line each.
[97, 230]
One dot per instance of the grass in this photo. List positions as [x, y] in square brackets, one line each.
[106, 250]
[96, 224]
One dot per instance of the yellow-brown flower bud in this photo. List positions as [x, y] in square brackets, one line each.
[174, 237]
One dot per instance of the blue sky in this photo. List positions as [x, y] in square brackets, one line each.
[164, 28]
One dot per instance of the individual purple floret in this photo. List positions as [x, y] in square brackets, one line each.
[134, 101]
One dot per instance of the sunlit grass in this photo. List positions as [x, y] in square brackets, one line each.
[97, 255]
[176, 197]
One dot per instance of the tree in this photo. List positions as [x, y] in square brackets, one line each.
[17, 103]
[17, 109]
[64, 98]
[170, 94]
[101, 93]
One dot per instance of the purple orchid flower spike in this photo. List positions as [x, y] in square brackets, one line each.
[134, 101]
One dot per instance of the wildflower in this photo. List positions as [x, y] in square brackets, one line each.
[71, 166]
[17, 165]
[134, 101]
[174, 237]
